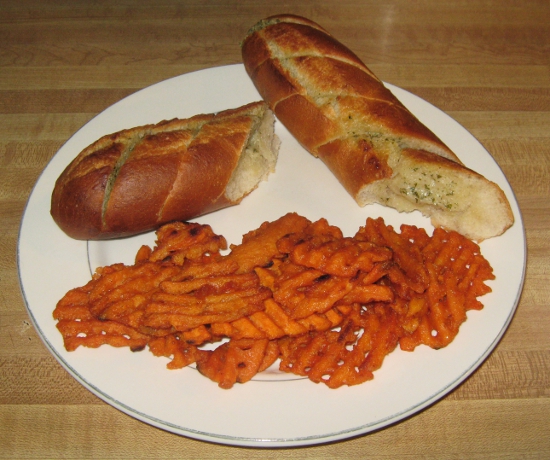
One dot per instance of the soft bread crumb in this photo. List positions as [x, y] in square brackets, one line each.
[452, 197]
[257, 160]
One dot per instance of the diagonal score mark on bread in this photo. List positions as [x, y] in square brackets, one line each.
[132, 138]
[218, 159]
[137, 179]
[379, 151]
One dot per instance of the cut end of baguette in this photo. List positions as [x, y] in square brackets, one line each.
[452, 196]
[257, 160]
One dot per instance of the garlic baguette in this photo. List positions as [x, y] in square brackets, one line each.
[379, 151]
[137, 179]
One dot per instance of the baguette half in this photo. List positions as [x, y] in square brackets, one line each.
[137, 179]
[379, 151]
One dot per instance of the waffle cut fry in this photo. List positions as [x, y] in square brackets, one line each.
[326, 306]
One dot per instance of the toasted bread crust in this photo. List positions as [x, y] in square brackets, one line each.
[342, 113]
[135, 180]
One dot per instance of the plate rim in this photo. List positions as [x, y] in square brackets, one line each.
[253, 441]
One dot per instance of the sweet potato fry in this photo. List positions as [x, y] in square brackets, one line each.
[281, 319]
[234, 361]
[406, 254]
[259, 247]
[244, 328]
[182, 322]
[179, 241]
[330, 307]
[344, 257]
[197, 336]
[94, 333]
[271, 355]
[181, 353]
[451, 260]
[316, 295]
[343, 357]
[367, 293]
[264, 323]
[224, 283]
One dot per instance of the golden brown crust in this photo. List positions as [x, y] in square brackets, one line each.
[342, 113]
[135, 180]
[341, 156]
[308, 77]
[71, 208]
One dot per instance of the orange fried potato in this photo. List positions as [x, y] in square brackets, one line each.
[179, 241]
[330, 307]
[94, 333]
[457, 274]
[347, 356]
[234, 361]
[181, 353]
[302, 291]
[259, 247]
[273, 323]
[342, 257]
[409, 270]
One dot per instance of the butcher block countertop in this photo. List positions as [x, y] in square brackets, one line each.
[485, 63]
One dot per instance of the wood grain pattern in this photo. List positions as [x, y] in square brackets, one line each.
[486, 63]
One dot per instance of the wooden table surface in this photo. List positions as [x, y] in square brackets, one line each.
[485, 63]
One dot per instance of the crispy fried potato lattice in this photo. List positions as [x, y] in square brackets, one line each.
[329, 307]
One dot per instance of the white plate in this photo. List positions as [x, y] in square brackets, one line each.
[271, 411]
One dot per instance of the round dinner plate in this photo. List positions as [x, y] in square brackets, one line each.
[275, 409]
